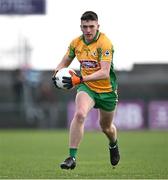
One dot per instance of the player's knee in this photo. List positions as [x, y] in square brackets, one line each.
[107, 129]
[80, 116]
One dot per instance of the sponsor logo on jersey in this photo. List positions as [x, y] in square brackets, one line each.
[89, 64]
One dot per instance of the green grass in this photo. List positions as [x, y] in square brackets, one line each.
[34, 154]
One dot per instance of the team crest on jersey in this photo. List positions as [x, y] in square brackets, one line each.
[107, 53]
[94, 54]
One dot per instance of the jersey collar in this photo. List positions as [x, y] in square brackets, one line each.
[94, 39]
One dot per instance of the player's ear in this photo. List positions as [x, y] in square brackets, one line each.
[98, 27]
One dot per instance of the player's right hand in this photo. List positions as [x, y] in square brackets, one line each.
[54, 80]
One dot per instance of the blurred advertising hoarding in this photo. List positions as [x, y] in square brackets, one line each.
[129, 115]
[22, 7]
[158, 114]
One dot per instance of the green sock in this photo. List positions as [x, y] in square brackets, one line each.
[113, 144]
[73, 152]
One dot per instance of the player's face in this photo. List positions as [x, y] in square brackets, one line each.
[89, 29]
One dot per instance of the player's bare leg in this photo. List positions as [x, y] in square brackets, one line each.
[109, 129]
[83, 105]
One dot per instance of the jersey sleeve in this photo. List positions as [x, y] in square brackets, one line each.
[71, 50]
[106, 50]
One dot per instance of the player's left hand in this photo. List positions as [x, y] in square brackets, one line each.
[72, 81]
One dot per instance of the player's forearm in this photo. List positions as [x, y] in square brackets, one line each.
[66, 61]
[101, 74]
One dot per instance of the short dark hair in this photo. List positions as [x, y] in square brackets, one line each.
[89, 15]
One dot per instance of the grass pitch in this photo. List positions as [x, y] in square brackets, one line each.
[36, 154]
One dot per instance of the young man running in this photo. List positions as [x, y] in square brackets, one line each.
[96, 87]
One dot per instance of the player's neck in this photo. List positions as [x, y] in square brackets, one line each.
[93, 39]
